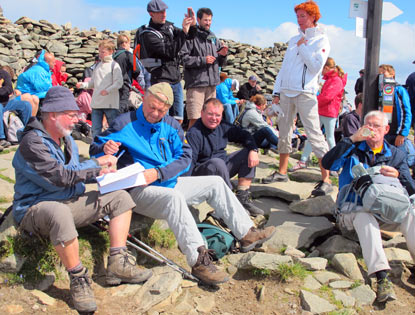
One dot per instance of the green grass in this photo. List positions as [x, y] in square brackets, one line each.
[356, 284]
[288, 271]
[7, 179]
[283, 249]
[314, 160]
[334, 181]
[44, 259]
[327, 292]
[156, 236]
[5, 199]
[343, 312]
[262, 273]
[5, 151]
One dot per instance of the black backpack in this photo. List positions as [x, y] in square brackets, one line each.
[140, 51]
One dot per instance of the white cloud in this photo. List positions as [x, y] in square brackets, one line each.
[79, 13]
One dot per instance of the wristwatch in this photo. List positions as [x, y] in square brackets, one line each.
[158, 174]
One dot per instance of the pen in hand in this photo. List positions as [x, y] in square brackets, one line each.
[120, 155]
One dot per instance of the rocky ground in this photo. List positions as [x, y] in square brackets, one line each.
[328, 274]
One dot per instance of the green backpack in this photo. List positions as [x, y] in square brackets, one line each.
[217, 239]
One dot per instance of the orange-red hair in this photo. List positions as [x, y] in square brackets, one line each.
[311, 8]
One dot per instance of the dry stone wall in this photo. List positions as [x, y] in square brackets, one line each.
[19, 42]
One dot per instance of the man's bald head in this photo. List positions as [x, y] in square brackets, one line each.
[50, 60]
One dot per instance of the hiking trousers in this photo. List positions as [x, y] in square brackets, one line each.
[368, 231]
[171, 204]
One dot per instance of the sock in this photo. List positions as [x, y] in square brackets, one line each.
[77, 269]
[242, 187]
[380, 275]
[116, 250]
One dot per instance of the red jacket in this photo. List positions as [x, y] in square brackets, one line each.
[330, 97]
[58, 77]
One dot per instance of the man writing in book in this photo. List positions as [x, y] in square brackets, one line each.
[157, 141]
[50, 198]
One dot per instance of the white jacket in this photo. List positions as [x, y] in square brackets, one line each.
[303, 64]
[107, 76]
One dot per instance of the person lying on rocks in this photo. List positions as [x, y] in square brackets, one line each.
[157, 141]
[50, 198]
[370, 149]
[208, 139]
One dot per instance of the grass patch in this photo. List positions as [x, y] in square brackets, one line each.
[283, 249]
[8, 150]
[7, 179]
[327, 292]
[296, 270]
[356, 284]
[5, 199]
[44, 259]
[156, 236]
[334, 181]
[314, 160]
[343, 312]
[262, 273]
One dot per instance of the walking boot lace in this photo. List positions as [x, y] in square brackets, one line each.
[206, 258]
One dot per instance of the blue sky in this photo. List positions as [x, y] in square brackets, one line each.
[260, 23]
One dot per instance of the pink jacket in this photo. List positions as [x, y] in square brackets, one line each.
[330, 97]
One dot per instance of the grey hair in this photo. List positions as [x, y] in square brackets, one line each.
[377, 113]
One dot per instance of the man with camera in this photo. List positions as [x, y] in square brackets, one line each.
[202, 57]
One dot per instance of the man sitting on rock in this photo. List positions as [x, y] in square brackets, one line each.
[156, 140]
[50, 198]
[209, 137]
[372, 150]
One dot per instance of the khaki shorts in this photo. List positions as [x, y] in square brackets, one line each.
[59, 219]
[196, 97]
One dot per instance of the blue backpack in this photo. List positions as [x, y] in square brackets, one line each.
[217, 239]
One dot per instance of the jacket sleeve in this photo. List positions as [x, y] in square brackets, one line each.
[403, 109]
[224, 95]
[243, 93]
[47, 171]
[315, 56]
[194, 140]
[404, 174]
[349, 126]
[330, 90]
[239, 135]
[336, 157]
[190, 61]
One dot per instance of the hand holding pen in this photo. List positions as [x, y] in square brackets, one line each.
[111, 147]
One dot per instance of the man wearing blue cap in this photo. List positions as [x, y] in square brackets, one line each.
[249, 89]
[160, 44]
[50, 198]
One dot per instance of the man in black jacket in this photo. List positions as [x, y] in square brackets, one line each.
[162, 42]
[125, 59]
[209, 137]
[202, 57]
[249, 89]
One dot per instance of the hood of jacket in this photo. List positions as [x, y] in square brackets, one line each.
[228, 83]
[41, 61]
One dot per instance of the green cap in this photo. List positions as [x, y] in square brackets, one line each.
[165, 89]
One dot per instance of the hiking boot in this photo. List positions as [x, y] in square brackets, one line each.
[385, 291]
[275, 177]
[300, 165]
[321, 189]
[244, 197]
[122, 268]
[81, 292]
[5, 144]
[205, 270]
[256, 237]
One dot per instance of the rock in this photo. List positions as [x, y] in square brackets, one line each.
[46, 282]
[296, 230]
[347, 300]
[347, 265]
[43, 298]
[8, 228]
[234, 258]
[338, 244]
[14, 309]
[314, 253]
[311, 283]
[57, 48]
[397, 242]
[315, 304]
[289, 291]
[397, 255]
[293, 252]
[363, 294]
[205, 304]
[159, 287]
[340, 284]
[261, 293]
[254, 260]
[12, 263]
[318, 206]
[313, 264]
[326, 276]
[231, 270]
[128, 290]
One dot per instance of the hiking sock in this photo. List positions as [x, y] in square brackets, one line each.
[242, 187]
[77, 269]
[116, 250]
[380, 275]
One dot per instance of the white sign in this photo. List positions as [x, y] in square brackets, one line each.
[361, 27]
[358, 9]
[390, 11]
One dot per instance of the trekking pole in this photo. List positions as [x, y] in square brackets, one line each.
[5, 214]
[147, 250]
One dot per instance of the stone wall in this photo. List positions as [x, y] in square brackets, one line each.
[19, 42]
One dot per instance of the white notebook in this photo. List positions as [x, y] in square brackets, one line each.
[127, 177]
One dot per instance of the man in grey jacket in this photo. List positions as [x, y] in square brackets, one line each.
[202, 57]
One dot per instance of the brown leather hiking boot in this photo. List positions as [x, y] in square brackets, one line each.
[81, 292]
[256, 237]
[205, 270]
[122, 268]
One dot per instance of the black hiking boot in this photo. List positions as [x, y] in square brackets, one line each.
[244, 197]
[81, 292]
